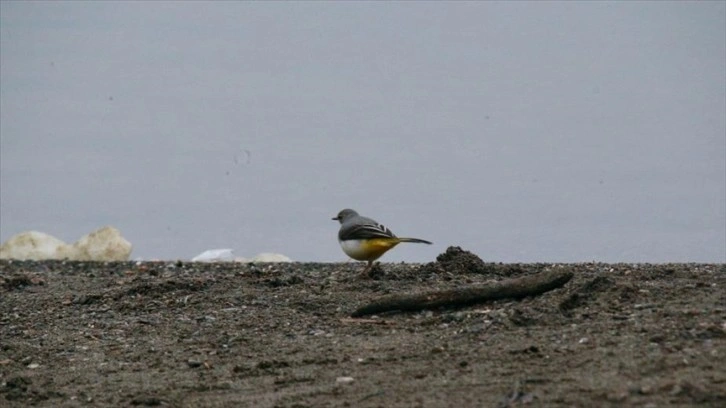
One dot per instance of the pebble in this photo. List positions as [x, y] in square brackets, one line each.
[344, 380]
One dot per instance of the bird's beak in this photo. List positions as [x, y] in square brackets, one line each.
[335, 218]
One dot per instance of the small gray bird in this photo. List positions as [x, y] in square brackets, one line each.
[364, 239]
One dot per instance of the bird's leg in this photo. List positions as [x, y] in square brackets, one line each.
[366, 272]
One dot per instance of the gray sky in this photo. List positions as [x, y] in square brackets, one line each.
[523, 132]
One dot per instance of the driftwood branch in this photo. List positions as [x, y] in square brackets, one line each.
[517, 288]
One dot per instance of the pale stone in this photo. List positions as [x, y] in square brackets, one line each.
[105, 244]
[34, 245]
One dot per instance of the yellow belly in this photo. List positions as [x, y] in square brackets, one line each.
[368, 249]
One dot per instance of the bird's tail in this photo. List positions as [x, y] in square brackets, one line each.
[414, 240]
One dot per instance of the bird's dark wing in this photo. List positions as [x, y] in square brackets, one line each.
[364, 228]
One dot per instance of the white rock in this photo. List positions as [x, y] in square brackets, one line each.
[35, 245]
[344, 380]
[105, 244]
[214, 255]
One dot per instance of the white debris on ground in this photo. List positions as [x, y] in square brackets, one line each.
[214, 255]
[226, 255]
[270, 257]
[105, 244]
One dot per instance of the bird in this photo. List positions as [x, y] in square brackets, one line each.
[364, 239]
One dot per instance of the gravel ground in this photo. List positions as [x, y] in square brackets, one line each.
[281, 335]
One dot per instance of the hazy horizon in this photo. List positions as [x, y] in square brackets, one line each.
[520, 131]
